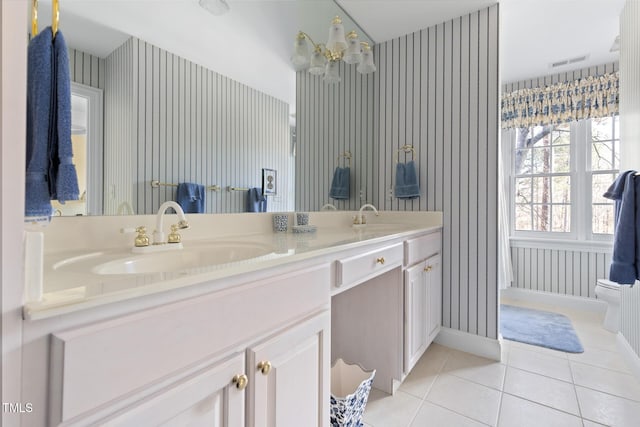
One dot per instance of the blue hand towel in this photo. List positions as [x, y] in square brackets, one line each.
[256, 201]
[340, 184]
[625, 264]
[39, 89]
[63, 179]
[407, 186]
[190, 197]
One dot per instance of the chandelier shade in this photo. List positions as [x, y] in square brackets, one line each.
[325, 58]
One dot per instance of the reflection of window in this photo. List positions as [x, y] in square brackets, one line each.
[560, 173]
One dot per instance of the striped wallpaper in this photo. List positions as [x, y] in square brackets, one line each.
[571, 271]
[630, 132]
[87, 69]
[566, 272]
[172, 120]
[438, 90]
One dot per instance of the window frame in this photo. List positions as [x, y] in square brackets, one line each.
[581, 176]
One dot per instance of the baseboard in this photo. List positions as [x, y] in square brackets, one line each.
[629, 355]
[566, 301]
[470, 343]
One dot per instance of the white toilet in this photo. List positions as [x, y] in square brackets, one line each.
[609, 292]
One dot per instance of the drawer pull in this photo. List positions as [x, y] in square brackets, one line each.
[264, 367]
[428, 268]
[240, 381]
[380, 260]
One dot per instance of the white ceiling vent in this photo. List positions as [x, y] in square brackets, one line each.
[568, 61]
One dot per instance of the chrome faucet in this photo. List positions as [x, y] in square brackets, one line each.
[174, 237]
[359, 218]
[329, 207]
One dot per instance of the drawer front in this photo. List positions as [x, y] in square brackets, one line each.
[421, 248]
[362, 266]
[132, 352]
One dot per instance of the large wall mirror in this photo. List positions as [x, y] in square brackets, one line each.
[166, 92]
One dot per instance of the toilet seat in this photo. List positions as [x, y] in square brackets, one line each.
[608, 284]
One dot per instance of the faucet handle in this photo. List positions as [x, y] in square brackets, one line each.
[174, 237]
[141, 239]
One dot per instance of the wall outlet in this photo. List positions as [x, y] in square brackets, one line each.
[362, 194]
[390, 194]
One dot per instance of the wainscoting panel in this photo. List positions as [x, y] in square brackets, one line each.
[566, 272]
[436, 89]
[186, 123]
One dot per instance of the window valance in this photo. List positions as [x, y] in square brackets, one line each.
[585, 98]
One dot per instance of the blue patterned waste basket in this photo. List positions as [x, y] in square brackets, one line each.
[350, 387]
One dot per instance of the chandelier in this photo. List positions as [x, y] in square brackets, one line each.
[325, 58]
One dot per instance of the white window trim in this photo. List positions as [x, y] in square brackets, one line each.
[580, 237]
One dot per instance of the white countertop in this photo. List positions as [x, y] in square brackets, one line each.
[70, 285]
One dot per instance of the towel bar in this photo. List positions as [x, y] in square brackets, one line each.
[155, 184]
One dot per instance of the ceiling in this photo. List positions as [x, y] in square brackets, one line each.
[253, 42]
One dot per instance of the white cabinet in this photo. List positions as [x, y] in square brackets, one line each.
[213, 396]
[416, 306]
[289, 377]
[434, 281]
[422, 299]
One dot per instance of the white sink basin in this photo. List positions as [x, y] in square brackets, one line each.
[190, 257]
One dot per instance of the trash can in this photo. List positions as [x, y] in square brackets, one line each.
[350, 387]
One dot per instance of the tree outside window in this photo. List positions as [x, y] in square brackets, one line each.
[547, 162]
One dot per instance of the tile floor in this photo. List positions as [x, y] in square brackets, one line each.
[532, 386]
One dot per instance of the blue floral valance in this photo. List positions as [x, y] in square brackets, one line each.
[589, 97]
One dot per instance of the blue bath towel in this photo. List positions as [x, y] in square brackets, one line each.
[63, 179]
[340, 184]
[256, 201]
[625, 264]
[407, 186]
[39, 89]
[190, 197]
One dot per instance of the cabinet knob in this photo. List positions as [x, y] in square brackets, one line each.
[240, 381]
[264, 367]
[428, 268]
[380, 260]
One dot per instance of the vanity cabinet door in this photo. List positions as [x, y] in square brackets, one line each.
[213, 396]
[434, 278]
[289, 377]
[416, 306]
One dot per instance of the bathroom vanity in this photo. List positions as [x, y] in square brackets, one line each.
[227, 340]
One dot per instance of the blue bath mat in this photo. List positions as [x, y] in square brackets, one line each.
[541, 328]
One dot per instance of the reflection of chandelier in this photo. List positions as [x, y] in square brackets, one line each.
[325, 58]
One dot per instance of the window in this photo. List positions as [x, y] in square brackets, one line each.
[559, 175]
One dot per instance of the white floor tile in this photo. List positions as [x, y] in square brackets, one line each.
[421, 378]
[477, 369]
[607, 409]
[587, 423]
[523, 413]
[384, 410]
[467, 398]
[434, 415]
[606, 380]
[601, 358]
[538, 349]
[539, 363]
[540, 389]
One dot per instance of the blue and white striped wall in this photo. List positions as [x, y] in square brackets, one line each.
[438, 90]
[172, 120]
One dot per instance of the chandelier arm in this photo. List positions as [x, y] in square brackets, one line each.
[315, 46]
